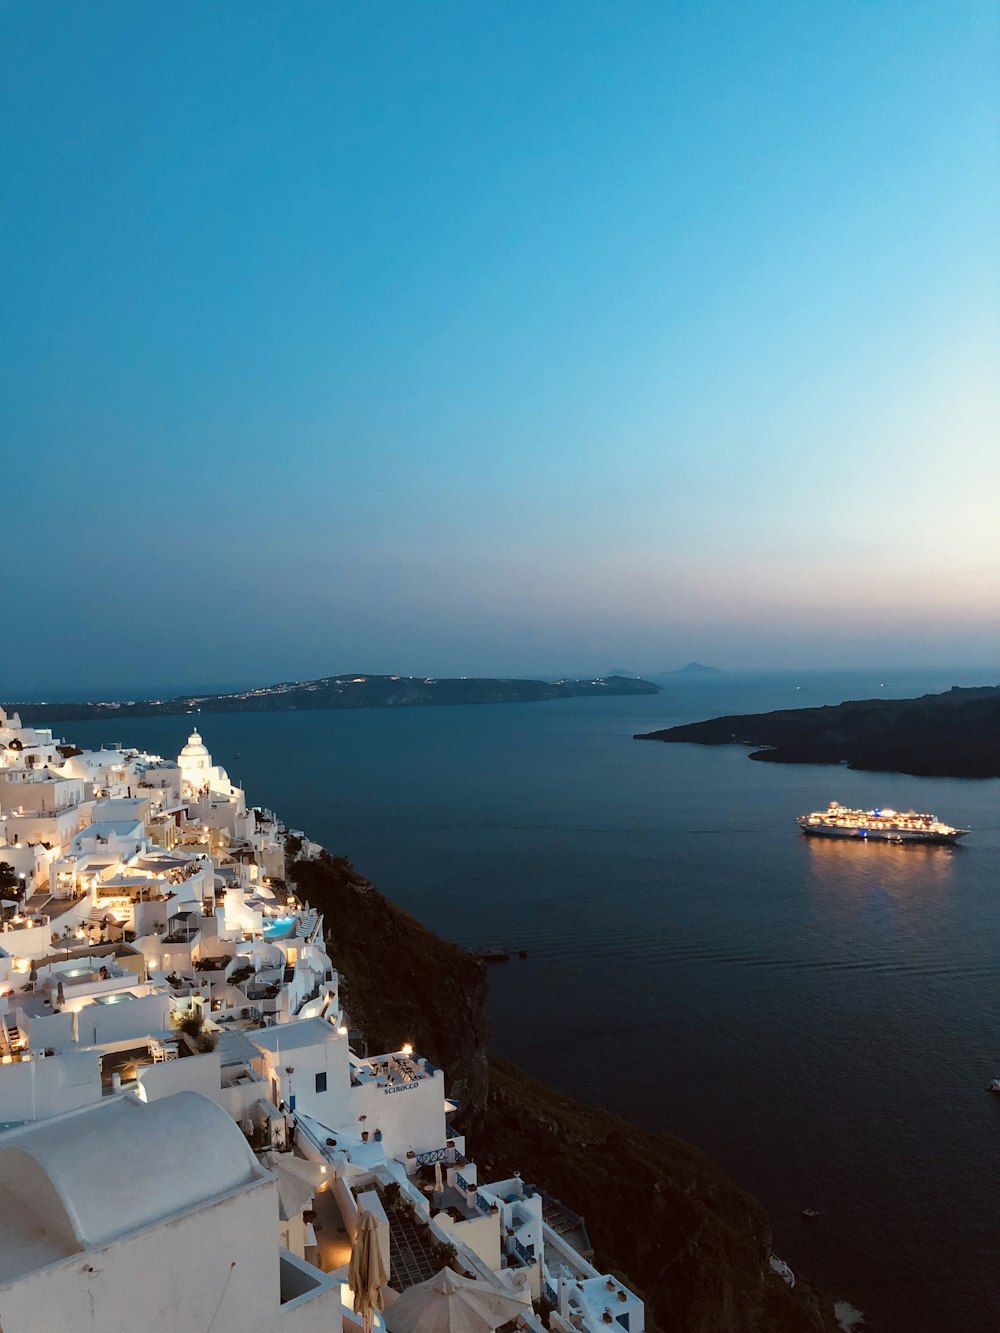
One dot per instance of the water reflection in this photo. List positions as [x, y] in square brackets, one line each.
[889, 908]
[896, 869]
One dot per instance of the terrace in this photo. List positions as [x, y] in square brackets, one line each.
[23, 922]
[120, 1069]
[396, 1068]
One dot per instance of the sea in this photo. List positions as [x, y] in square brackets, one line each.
[820, 1017]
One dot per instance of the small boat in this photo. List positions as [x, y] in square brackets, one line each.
[994, 1085]
[493, 954]
[809, 1214]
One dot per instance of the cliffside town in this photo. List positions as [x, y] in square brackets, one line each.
[225, 1057]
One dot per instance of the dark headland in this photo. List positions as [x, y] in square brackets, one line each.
[348, 690]
[950, 735]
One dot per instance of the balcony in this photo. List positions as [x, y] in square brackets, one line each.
[24, 923]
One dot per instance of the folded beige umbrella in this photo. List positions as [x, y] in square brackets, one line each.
[312, 1172]
[447, 1303]
[366, 1275]
[294, 1194]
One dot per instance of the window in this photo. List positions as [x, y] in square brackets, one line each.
[321, 1082]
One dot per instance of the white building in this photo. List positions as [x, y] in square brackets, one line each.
[158, 1216]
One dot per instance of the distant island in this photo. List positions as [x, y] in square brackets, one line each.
[695, 669]
[950, 735]
[345, 691]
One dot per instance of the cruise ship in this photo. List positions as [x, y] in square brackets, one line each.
[837, 821]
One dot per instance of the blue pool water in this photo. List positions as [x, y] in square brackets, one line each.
[279, 930]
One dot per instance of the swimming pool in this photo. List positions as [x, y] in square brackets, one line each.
[280, 930]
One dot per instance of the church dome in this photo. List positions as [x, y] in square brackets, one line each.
[195, 748]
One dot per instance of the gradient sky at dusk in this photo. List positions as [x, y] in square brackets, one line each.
[498, 338]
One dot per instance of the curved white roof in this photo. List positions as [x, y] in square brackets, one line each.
[121, 1165]
[195, 748]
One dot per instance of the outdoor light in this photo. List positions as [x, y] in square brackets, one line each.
[407, 1048]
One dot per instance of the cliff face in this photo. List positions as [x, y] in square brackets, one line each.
[399, 981]
[658, 1211]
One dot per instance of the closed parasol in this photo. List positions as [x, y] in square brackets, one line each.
[366, 1275]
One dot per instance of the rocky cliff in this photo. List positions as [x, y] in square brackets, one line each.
[399, 981]
[658, 1211]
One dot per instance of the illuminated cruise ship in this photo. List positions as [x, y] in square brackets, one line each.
[880, 825]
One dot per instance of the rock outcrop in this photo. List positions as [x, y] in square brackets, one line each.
[951, 735]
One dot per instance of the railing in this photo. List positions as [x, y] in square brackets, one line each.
[327, 1151]
[523, 1251]
[483, 1204]
[435, 1155]
[550, 1293]
[306, 1132]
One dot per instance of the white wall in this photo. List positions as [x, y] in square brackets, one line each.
[48, 1031]
[481, 1234]
[195, 1073]
[57, 828]
[408, 1114]
[31, 942]
[39, 1088]
[330, 1056]
[239, 1098]
[214, 1269]
[97, 1023]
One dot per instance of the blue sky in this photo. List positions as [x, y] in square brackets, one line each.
[489, 338]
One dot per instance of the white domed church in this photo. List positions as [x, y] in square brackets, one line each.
[196, 765]
[200, 777]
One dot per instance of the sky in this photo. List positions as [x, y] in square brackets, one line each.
[500, 338]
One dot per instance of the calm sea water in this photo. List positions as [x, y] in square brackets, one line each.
[821, 1018]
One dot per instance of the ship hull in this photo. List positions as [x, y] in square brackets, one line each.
[881, 835]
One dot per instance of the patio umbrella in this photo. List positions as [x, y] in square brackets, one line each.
[438, 1181]
[447, 1303]
[366, 1275]
[60, 995]
[294, 1193]
[311, 1172]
